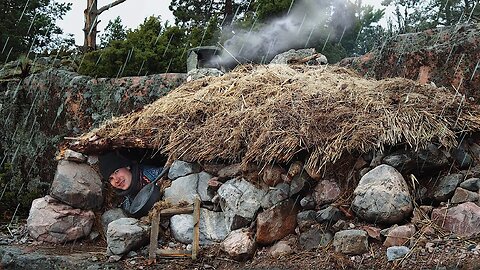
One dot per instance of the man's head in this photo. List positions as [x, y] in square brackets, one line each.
[116, 168]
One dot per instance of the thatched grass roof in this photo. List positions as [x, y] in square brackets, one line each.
[267, 114]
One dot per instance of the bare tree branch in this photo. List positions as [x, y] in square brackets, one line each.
[106, 7]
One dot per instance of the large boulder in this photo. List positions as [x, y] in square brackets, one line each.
[181, 168]
[78, 185]
[111, 215]
[182, 189]
[126, 234]
[277, 222]
[213, 227]
[51, 221]
[382, 196]
[240, 200]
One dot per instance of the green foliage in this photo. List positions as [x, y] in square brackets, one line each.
[267, 9]
[29, 26]
[414, 16]
[113, 31]
[151, 48]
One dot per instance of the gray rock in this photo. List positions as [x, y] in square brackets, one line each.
[198, 73]
[111, 215]
[397, 252]
[77, 185]
[126, 234]
[181, 168]
[19, 257]
[285, 57]
[51, 221]
[462, 195]
[308, 202]
[314, 238]
[353, 242]
[202, 189]
[309, 215]
[430, 159]
[472, 184]
[445, 187]
[92, 160]
[400, 160]
[213, 227]
[382, 196]
[329, 215]
[275, 195]
[461, 156]
[71, 155]
[240, 200]
[182, 189]
[280, 249]
[299, 183]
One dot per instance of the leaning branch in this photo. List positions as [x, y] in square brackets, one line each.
[106, 7]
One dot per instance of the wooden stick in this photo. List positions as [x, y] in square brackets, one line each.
[175, 211]
[173, 253]
[154, 238]
[196, 228]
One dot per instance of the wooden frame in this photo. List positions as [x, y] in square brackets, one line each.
[153, 250]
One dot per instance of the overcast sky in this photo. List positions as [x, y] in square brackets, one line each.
[132, 13]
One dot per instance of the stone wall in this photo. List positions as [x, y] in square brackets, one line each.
[40, 110]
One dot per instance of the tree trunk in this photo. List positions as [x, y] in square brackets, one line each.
[90, 29]
[91, 21]
[228, 12]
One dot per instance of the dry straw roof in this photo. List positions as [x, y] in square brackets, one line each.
[267, 114]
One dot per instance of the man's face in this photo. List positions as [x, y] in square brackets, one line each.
[121, 178]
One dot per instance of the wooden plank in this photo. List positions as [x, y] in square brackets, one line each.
[173, 253]
[154, 238]
[176, 211]
[196, 228]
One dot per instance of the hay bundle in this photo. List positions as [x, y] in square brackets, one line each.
[268, 114]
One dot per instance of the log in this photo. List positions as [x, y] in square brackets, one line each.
[196, 228]
[154, 238]
[176, 211]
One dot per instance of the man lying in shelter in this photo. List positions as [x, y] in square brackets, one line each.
[128, 177]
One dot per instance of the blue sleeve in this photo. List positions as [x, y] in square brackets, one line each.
[151, 173]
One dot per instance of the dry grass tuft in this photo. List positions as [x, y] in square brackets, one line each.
[267, 114]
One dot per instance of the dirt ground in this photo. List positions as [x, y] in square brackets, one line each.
[445, 254]
[434, 252]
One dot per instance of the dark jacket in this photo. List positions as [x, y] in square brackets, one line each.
[141, 176]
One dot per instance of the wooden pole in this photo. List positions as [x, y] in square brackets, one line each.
[196, 228]
[154, 238]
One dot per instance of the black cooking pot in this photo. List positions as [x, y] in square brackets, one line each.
[144, 201]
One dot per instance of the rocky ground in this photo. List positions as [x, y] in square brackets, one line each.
[437, 251]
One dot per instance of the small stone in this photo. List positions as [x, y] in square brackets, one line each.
[132, 254]
[114, 258]
[397, 252]
[430, 247]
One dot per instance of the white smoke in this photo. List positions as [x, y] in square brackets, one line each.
[306, 22]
